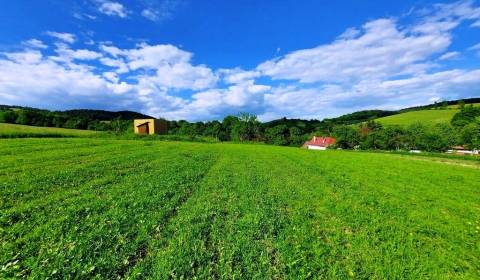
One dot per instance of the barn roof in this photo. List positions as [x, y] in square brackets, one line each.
[321, 141]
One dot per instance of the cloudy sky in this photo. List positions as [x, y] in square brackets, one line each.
[202, 60]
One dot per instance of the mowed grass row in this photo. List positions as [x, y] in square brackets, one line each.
[153, 210]
[20, 131]
[94, 219]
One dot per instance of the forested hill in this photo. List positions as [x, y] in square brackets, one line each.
[77, 119]
[359, 117]
[327, 124]
[101, 115]
[440, 104]
[106, 115]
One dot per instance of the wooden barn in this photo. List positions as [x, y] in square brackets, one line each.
[150, 126]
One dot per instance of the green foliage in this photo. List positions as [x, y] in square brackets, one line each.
[121, 209]
[347, 136]
[247, 128]
[469, 114]
[8, 116]
[277, 135]
[470, 136]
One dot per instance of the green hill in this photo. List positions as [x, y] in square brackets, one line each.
[17, 131]
[428, 117]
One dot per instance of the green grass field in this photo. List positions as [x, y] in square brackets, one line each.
[427, 117]
[121, 209]
[19, 131]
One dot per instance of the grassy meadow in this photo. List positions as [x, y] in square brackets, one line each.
[427, 117]
[22, 131]
[125, 209]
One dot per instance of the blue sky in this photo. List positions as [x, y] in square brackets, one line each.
[202, 60]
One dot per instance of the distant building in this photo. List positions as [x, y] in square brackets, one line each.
[460, 150]
[319, 143]
[150, 126]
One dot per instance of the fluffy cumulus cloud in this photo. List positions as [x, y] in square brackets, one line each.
[381, 50]
[36, 44]
[449, 55]
[382, 64]
[145, 78]
[112, 8]
[65, 37]
[167, 66]
[361, 69]
[32, 79]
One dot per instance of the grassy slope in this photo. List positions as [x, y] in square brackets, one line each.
[428, 117]
[104, 208]
[16, 130]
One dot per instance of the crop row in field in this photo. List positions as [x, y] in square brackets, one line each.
[90, 208]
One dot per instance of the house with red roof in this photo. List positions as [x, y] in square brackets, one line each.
[319, 143]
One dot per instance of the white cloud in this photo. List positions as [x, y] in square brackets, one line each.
[65, 37]
[381, 51]
[171, 67]
[151, 57]
[113, 9]
[112, 50]
[215, 103]
[67, 54]
[29, 78]
[237, 75]
[449, 55]
[350, 33]
[143, 78]
[150, 14]
[183, 76]
[475, 47]
[383, 64]
[35, 43]
[119, 64]
[84, 16]
[160, 10]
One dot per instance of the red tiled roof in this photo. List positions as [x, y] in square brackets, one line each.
[321, 141]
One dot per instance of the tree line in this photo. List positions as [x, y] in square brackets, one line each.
[352, 131]
[464, 129]
[76, 119]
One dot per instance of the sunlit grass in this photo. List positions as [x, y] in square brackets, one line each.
[18, 131]
[86, 208]
[427, 117]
